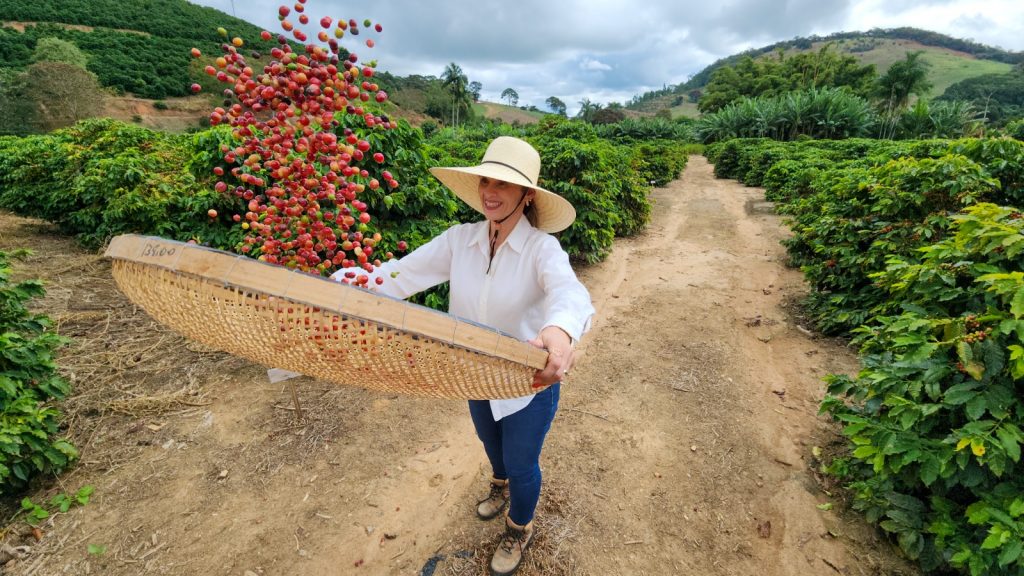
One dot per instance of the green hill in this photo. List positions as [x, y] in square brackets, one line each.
[951, 60]
[141, 47]
[947, 66]
[506, 113]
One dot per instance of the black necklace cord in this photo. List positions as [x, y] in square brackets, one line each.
[497, 227]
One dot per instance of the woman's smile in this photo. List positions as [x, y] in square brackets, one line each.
[499, 199]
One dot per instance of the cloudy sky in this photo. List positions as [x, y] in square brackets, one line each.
[610, 51]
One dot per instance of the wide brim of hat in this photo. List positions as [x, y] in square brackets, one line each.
[554, 213]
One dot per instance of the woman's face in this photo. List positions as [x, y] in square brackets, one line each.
[500, 199]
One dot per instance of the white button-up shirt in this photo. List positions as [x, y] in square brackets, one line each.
[530, 285]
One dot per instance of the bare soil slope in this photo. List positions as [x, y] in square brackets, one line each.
[683, 444]
[179, 115]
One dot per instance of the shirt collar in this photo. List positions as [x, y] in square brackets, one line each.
[516, 239]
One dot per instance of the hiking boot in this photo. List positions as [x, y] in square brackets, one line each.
[495, 502]
[509, 554]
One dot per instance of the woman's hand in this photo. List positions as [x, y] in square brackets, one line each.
[560, 355]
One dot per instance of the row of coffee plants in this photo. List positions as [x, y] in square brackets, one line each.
[28, 382]
[854, 203]
[916, 249]
[100, 178]
[936, 412]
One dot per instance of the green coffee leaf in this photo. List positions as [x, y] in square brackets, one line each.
[960, 394]
[1009, 443]
[976, 407]
[1011, 552]
[1017, 303]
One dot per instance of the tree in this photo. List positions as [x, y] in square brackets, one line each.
[50, 49]
[752, 78]
[827, 68]
[455, 82]
[16, 110]
[903, 79]
[474, 89]
[556, 105]
[511, 95]
[588, 109]
[728, 84]
[999, 97]
[608, 115]
[62, 94]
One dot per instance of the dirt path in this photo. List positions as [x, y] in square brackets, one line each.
[702, 462]
[683, 444]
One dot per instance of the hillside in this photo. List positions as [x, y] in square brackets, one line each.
[139, 51]
[951, 60]
[507, 114]
[863, 42]
[133, 47]
[161, 18]
[947, 66]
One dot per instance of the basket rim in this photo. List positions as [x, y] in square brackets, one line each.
[196, 260]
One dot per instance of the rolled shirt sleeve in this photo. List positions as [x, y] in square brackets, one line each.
[567, 303]
[423, 268]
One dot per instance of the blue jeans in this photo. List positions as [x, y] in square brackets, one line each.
[513, 446]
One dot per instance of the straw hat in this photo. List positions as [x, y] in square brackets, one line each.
[517, 162]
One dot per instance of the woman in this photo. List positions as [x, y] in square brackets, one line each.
[508, 272]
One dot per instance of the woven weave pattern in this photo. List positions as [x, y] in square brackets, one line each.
[333, 345]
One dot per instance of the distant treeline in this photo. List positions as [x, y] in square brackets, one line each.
[997, 97]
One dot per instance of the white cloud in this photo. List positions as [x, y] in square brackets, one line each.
[591, 65]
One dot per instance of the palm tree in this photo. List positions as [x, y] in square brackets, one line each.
[906, 77]
[455, 80]
[587, 109]
[909, 76]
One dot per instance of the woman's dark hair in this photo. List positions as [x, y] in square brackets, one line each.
[530, 210]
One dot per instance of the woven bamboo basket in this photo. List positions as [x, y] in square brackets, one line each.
[318, 327]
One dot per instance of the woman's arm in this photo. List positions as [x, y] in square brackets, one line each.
[567, 311]
[567, 302]
[423, 268]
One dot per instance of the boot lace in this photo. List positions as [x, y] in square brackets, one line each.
[512, 539]
[496, 493]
